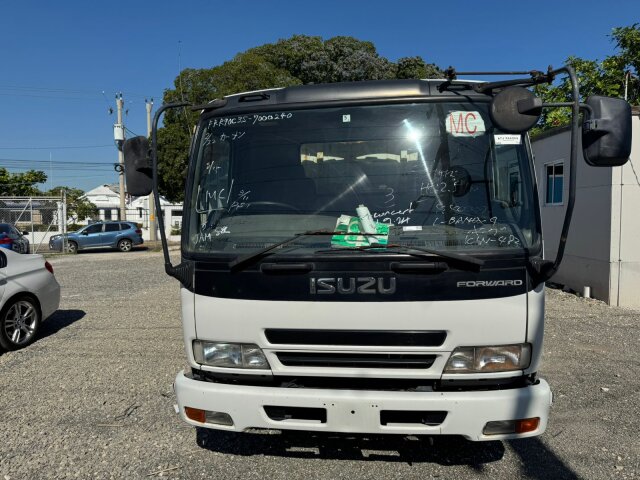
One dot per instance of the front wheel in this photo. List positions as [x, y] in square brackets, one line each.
[125, 245]
[72, 247]
[19, 323]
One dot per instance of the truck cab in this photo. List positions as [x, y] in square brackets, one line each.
[365, 258]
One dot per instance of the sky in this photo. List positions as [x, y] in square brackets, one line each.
[62, 63]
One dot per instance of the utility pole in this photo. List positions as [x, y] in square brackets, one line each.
[152, 206]
[123, 208]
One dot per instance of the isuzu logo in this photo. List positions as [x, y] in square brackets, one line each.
[346, 286]
[490, 283]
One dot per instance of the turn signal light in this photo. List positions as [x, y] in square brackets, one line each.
[207, 416]
[195, 414]
[527, 425]
[504, 427]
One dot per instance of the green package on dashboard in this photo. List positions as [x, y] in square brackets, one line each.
[349, 224]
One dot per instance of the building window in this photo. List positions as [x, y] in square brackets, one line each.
[107, 214]
[555, 183]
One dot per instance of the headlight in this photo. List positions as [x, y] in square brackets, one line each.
[229, 355]
[502, 358]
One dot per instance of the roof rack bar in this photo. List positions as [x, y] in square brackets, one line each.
[451, 73]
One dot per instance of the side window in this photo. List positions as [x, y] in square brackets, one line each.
[507, 184]
[555, 183]
[94, 228]
[111, 227]
[125, 226]
[213, 178]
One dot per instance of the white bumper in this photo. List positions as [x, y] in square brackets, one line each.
[358, 411]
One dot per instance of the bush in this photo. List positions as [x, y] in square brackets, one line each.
[176, 231]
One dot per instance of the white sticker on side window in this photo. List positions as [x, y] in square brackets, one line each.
[465, 124]
[506, 139]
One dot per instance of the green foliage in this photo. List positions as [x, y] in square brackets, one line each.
[298, 60]
[627, 40]
[20, 184]
[339, 59]
[416, 67]
[597, 78]
[78, 208]
[246, 72]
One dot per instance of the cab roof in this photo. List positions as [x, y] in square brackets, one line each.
[365, 91]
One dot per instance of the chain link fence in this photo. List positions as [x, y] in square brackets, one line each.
[40, 218]
[37, 218]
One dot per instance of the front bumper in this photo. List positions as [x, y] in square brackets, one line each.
[55, 244]
[358, 411]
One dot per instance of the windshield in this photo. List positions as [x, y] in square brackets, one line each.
[431, 175]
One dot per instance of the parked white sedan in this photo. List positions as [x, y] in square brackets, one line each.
[29, 293]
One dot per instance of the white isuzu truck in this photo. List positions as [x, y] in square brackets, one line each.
[368, 257]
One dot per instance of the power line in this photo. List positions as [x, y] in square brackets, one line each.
[65, 97]
[634, 172]
[131, 132]
[51, 162]
[56, 148]
[68, 91]
[63, 177]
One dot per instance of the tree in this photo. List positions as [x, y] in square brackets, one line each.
[339, 59]
[416, 67]
[247, 71]
[20, 184]
[78, 208]
[298, 60]
[597, 78]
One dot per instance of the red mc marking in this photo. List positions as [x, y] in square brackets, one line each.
[463, 123]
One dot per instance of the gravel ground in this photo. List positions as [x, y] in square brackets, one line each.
[91, 398]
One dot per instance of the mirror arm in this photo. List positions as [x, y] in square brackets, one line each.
[184, 271]
[545, 269]
[583, 106]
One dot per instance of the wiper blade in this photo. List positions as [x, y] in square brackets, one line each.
[415, 251]
[245, 260]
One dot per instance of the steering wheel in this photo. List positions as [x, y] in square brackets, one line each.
[277, 204]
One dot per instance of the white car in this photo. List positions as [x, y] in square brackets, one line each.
[29, 293]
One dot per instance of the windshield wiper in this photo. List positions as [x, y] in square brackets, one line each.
[415, 251]
[246, 260]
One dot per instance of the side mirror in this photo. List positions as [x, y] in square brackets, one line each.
[84, 232]
[606, 133]
[137, 166]
[515, 110]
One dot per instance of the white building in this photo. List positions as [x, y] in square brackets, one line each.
[107, 199]
[602, 248]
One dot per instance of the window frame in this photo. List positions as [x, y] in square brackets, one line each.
[554, 176]
[101, 225]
